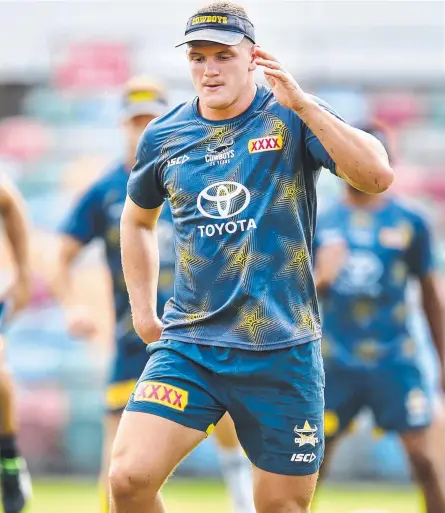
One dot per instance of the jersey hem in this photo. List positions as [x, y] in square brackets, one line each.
[242, 345]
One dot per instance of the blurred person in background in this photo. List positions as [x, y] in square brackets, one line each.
[15, 482]
[368, 248]
[97, 216]
[239, 165]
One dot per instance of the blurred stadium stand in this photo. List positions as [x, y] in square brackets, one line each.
[62, 64]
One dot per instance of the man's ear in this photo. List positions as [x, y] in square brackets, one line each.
[252, 64]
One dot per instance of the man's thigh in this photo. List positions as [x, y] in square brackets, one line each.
[277, 405]
[177, 388]
[150, 445]
[173, 407]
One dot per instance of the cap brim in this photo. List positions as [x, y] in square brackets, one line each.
[223, 37]
[145, 109]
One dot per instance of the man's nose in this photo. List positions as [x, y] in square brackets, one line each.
[211, 69]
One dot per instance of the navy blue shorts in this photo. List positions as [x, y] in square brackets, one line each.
[274, 397]
[395, 392]
[128, 363]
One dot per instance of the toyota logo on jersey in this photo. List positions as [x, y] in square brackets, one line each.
[222, 200]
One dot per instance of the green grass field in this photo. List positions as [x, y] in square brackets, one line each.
[195, 496]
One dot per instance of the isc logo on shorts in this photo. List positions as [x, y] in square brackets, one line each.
[274, 143]
[161, 393]
[305, 458]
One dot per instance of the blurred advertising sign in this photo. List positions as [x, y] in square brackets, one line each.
[92, 65]
[23, 139]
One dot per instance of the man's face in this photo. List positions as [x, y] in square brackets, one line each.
[220, 73]
[133, 130]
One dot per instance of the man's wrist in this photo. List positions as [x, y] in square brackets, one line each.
[303, 106]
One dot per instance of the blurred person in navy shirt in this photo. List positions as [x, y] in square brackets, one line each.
[96, 215]
[367, 250]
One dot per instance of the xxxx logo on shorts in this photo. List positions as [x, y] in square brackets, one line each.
[161, 393]
[274, 143]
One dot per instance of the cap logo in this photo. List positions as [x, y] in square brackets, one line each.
[209, 19]
[142, 96]
[204, 25]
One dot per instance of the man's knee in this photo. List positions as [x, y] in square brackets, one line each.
[127, 480]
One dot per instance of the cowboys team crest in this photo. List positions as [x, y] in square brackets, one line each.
[306, 435]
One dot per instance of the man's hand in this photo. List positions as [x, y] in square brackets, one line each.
[148, 327]
[331, 258]
[81, 323]
[284, 87]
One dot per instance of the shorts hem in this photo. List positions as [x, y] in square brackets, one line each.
[306, 471]
[166, 415]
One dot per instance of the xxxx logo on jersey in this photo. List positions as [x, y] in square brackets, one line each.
[161, 393]
[273, 143]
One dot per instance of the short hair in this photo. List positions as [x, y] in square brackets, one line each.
[224, 8]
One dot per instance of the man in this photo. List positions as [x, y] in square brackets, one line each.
[14, 481]
[97, 216]
[239, 165]
[368, 248]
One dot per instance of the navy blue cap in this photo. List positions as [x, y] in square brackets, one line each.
[225, 29]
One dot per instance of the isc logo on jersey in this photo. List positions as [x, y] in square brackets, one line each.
[223, 200]
[177, 161]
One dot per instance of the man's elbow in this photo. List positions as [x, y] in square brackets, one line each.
[383, 178]
[380, 178]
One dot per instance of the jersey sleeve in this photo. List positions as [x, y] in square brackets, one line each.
[420, 254]
[86, 220]
[317, 154]
[144, 184]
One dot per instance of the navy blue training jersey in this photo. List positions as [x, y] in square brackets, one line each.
[97, 215]
[365, 310]
[243, 201]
